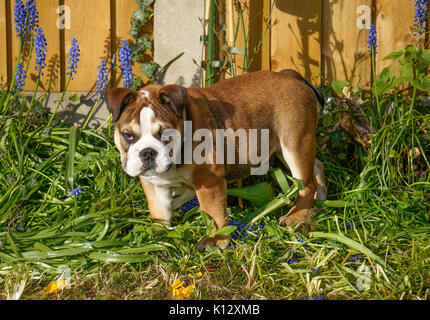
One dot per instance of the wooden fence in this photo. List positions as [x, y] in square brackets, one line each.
[322, 39]
[99, 26]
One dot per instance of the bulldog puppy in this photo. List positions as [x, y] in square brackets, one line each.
[269, 112]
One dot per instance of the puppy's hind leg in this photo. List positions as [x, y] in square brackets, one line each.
[300, 158]
[321, 193]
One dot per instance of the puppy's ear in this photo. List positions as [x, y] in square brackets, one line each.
[118, 99]
[174, 97]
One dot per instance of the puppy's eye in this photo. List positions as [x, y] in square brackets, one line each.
[160, 132]
[128, 137]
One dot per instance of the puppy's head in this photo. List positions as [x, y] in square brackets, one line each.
[144, 121]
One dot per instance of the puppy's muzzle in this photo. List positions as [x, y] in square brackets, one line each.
[147, 157]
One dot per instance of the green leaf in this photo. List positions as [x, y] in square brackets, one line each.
[410, 53]
[149, 69]
[383, 82]
[175, 233]
[223, 231]
[136, 26]
[161, 70]
[123, 258]
[140, 15]
[233, 50]
[258, 194]
[339, 85]
[138, 48]
[406, 72]
[350, 243]
[394, 55]
[422, 84]
[282, 181]
[73, 142]
[74, 97]
[142, 249]
[144, 4]
[336, 204]
[425, 56]
[136, 83]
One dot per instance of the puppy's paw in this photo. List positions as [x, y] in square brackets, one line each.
[301, 220]
[217, 241]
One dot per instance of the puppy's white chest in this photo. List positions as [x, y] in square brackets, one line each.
[172, 179]
[178, 184]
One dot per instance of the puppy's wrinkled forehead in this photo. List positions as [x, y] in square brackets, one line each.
[131, 115]
[154, 104]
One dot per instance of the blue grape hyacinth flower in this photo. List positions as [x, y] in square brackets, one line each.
[241, 234]
[75, 192]
[125, 57]
[40, 49]
[355, 258]
[372, 40]
[102, 80]
[74, 55]
[187, 206]
[420, 18]
[32, 15]
[20, 17]
[20, 76]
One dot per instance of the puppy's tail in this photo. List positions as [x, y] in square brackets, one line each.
[294, 74]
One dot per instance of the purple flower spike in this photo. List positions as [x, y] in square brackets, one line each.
[20, 76]
[40, 49]
[420, 17]
[372, 40]
[74, 55]
[20, 17]
[102, 80]
[125, 57]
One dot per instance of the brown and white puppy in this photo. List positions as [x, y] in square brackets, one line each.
[283, 104]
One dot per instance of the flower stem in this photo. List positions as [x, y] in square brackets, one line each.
[411, 119]
[108, 120]
[245, 44]
[378, 106]
[32, 101]
[91, 113]
[61, 100]
[12, 84]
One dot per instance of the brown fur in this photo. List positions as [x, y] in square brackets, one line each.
[281, 102]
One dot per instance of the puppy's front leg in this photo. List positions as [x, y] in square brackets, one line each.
[159, 201]
[212, 195]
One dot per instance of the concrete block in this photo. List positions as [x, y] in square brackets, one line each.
[177, 29]
[74, 112]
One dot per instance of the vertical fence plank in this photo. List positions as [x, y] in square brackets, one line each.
[297, 36]
[255, 16]
[124, 10]
[48, 22]
[393, 22]
[3, 43]
[90, 24]
[344, 45]
[258, 11]
[265, 47]
[47, 11]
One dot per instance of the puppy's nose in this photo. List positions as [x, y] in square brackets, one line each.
[148, 155]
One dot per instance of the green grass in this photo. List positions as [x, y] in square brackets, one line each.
[377, 216]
